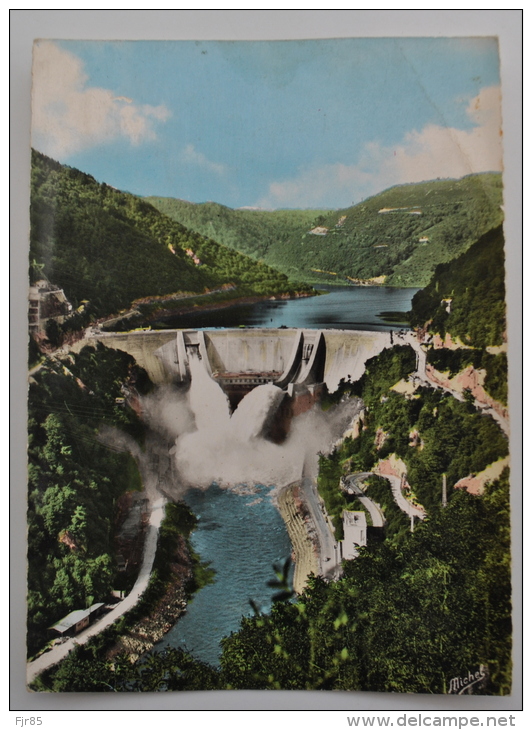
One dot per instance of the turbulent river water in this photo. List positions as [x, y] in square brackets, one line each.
[240, 532]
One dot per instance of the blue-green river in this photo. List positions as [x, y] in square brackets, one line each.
[242, 535]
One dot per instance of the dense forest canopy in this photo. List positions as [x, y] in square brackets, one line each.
[109, 247]
[75, 481]
[475, 286]
[402, 233]
[415, 608]
[253, 232]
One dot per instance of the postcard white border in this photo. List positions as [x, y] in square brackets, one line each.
[250, 25]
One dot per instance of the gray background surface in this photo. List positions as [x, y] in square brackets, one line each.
[250, 25]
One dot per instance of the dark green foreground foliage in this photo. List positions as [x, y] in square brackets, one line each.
[109, 247]
[430, 223]
[74, 482]
[404, 618]
[475, 283]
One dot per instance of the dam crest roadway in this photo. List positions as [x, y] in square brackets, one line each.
[244, 358]
[297, 361]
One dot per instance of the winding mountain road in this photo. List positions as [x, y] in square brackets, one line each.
[329, 557]
[377, 517]
[60, 651]
[404, 505]
[421, 376]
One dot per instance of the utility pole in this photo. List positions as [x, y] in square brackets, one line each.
[444, 491]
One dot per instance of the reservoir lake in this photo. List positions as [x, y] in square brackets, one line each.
[240, 532]
[338, 307]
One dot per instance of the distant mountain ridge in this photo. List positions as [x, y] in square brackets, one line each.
[254, 232]
[401, 234]
[111, 248]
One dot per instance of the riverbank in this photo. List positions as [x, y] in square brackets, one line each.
[170, 574]
[141, 588]
[296, 519]
[147, 631]
[145, 313]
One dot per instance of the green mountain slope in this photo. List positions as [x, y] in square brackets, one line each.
[473, 289]
[110, 247]
[466, 299]
[402, 233]
[253, 232]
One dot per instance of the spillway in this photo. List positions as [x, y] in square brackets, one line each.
[243, 358]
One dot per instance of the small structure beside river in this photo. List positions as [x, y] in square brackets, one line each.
[355, 534]
[78, 620]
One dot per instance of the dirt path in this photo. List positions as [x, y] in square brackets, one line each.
[422, 376]
[377, 517]
[60, 651]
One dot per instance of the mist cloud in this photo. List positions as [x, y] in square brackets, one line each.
[209, 444]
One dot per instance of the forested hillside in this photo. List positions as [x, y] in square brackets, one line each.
[74, 481]
[466, 299]
[110, 247]
[451, 437]
[401, 234]
[411, 612]
[253, 232]
[473, 289]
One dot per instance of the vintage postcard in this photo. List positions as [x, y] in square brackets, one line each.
[268, 428]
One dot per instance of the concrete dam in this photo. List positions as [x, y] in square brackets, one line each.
[241, 359]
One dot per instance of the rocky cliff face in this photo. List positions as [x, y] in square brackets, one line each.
[468, 379]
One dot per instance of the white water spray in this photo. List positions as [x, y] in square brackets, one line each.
[232, 449]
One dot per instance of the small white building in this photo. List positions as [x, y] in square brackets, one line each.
[76, 621]
[355, 533]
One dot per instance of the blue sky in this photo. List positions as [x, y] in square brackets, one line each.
[269, 124]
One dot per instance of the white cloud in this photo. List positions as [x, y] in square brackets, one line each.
[433, 152]
[69, 116]
[192, 156]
